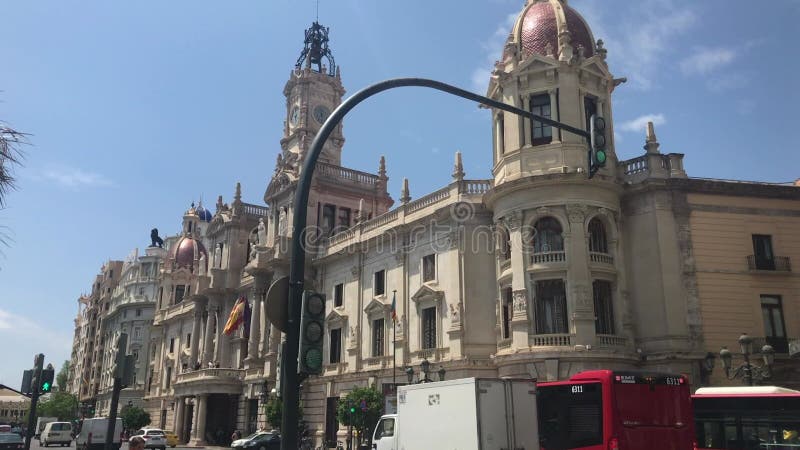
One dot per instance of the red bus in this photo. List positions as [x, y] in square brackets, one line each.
[610, 410]
[743, 418]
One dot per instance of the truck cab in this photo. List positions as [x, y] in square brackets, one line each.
[383, 438]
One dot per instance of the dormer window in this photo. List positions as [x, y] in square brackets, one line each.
[541, 133]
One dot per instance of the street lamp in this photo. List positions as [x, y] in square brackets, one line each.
[750, 373]
[297, 267]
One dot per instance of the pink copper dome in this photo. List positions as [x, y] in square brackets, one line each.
[539, 29]
[186, 250]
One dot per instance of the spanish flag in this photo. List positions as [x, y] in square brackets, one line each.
[237, 316]
[394, 306]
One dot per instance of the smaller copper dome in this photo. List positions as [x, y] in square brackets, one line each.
[186, 250]
[539, 30]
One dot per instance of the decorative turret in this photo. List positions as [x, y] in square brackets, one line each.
[552, 66]
[405, 195]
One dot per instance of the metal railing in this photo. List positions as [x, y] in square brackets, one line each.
[776, 263]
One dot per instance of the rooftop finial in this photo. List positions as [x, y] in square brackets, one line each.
[405, 195]
[382, 167]
[458, 168]
[238, 195]
[651, 143]
[362, 215]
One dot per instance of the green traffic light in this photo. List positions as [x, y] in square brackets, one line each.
[46, 387]
[352, 410]
[601, 156]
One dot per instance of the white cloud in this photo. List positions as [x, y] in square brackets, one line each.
[28, 338]
[639, 124]
[72, 177]
[727, 82]
[639, 37]
[706, 60]
[493, 50]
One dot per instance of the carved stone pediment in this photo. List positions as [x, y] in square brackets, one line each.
[279, 182]
[428, 292]
[334, 319]
[376, 307]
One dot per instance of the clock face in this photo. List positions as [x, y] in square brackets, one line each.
[295, 116]
[321, 113]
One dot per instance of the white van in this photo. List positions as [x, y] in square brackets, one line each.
[92, 434]
[56, 433]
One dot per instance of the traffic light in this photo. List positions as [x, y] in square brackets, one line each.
[128, 370]
[27, 377]
[597, 147]
[311, 331]
[48, 375]
[118, 356]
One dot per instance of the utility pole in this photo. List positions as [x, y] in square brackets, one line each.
[118, 371]
[38, 362]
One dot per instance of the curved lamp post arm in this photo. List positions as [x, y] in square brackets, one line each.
[299, 231]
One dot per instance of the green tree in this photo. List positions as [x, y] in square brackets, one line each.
[361, 409]
[60, 404]
[274, 412]
[62, 376]
[134, 417]
[10, 156]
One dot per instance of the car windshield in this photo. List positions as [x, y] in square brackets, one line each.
[265, 436]
[10, 437]
[155, 433]
[253, 436]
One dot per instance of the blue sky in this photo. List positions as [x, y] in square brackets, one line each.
[138, 108]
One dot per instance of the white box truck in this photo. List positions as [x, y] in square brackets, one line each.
[92, 434]
[464, 414]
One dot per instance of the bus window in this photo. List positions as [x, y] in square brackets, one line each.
[570, 415]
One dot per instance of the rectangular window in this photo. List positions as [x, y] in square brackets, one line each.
[603, 310]
[338, 295]
[551, 307]
[540, 105]
[169, 376]
[328, 219]
[344, 219]
[429, 328]
[180, 290]
[336, 346]
[171, 345]
[762, 251]
[508, 311]
[139, 312]
[188, 340]
[380, 281]
[774, 328]
[137, 333]
[377, 337]
[429, 267]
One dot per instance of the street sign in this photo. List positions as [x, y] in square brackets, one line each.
[277, 307]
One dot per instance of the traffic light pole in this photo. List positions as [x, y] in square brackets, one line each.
[291, 394]
[112, 415]
[38, 361]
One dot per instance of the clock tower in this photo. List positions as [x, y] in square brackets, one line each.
[314, 90]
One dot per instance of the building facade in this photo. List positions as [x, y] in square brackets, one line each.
[533, 271]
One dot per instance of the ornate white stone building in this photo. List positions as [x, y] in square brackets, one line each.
[535, 271]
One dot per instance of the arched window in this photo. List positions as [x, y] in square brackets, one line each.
[597, 237]
[547, 237]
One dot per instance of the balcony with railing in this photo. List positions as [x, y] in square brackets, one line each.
[549, 257]
[774, 264]
[343, 174]
[551, 340]
[601, 258]
[608, 340]
[216, 380]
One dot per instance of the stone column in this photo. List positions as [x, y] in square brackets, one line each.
[520, 319]
[201, 402]
[579, 279]
[255, 318]
[527, 124]
[208, 351]
[265, 326]
[554, 114]
[180, 409]
[195, 336]
[218, 335]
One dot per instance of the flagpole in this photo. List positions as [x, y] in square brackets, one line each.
[394, 343]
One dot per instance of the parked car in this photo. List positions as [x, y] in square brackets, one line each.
[172, 438]
[56, 433]
[11, 441]
[19, 431]
[263, 440]
[153, 437]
